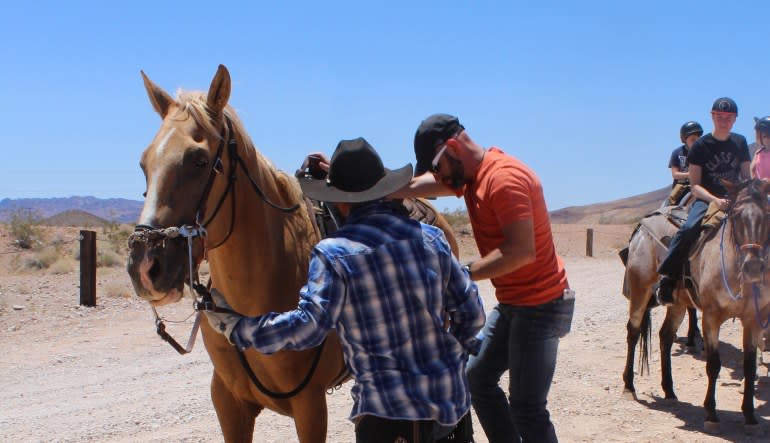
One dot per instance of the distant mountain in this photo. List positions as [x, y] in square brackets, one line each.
[617, 212]
[622, 211]
[75, 217]
[114, 209]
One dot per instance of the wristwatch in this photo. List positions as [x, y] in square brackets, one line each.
[467, 268]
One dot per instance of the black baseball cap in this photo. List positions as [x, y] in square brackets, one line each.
[432, 132]
[725, 104]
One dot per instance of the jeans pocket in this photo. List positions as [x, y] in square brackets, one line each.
[562, 317]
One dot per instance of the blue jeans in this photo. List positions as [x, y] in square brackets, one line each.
[524, 341]
[683, 240]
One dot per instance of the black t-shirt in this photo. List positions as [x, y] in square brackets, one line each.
[719, 160]
[679, 159]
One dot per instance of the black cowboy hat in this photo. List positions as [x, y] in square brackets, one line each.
[356, 175]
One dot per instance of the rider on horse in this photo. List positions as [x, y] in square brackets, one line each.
[719, 155]
[689, 133]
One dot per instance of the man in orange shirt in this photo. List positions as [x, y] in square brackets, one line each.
[513, 233]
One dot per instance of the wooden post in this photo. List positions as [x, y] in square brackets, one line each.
[88, 268]
[589, 242]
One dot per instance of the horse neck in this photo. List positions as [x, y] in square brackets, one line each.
[267, 249]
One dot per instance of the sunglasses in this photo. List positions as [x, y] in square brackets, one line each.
[434, 164]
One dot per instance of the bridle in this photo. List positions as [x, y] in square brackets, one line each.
[742, 249]
[203, 301]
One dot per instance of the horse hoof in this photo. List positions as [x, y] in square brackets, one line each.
[712, 427]
[752, 429]
[629, 395]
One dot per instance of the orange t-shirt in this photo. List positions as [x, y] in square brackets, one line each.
[505, 190]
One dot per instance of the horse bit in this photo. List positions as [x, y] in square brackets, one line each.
[153, 236]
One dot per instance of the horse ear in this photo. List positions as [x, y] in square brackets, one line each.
[160, 100]
[219, 91]
[765, 185]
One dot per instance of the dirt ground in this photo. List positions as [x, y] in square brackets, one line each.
[71, 373]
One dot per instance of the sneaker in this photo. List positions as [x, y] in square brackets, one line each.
[665, 293]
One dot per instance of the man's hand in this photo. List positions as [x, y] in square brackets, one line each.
[222, 322]
[316, 165]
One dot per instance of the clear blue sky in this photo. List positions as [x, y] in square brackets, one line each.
[590, 94]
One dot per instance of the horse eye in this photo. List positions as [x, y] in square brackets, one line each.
[144, 194]
[201, 162]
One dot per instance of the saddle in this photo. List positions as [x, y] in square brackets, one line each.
[676, 215]
[326, 219]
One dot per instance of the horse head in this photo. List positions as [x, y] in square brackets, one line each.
[180, 166]
[750, 226]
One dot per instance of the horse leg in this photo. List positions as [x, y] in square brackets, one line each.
[638, 290]
[713, 366]
[693, 333]
[632, 338]
[236, 418]
[749, 375]
[310, 415]
[667, 335]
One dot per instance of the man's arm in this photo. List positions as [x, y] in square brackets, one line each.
[306, 326]
[745, 170]
[422, 186]
[516, 250]
[678, 175]
[465, 308]
[696, 176]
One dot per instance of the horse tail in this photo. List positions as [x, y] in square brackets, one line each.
[645, 335]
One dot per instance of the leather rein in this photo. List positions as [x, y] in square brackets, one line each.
[203, 300]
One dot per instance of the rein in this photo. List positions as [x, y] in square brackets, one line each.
[755, 288]
[203, 300]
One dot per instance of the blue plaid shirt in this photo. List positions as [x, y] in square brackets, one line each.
[385, 283]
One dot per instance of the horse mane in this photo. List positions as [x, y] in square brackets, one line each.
[194, 104]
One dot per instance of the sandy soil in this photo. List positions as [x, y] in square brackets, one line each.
[72, 373]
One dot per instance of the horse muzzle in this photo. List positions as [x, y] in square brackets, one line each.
[159, 266]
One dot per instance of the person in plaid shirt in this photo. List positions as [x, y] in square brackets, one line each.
[386, 284]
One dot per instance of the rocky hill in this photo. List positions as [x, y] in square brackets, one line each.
[75, 217]
[616, 212]
[113, 209]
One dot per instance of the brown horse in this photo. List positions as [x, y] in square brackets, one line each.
[727, 273]
[207, 182]
[647, 248]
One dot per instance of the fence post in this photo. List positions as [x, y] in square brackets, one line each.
[88, 268]
[589, 242]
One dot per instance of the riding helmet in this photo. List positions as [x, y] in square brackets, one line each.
[762, 124]
[690, 128]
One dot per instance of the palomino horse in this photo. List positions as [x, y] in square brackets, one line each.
[726, 271]
[206, 181]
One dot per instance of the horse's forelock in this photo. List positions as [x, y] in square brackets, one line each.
[194, 103]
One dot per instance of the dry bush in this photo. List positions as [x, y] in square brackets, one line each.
[457, 218]
[116, 236]
[109, 259]
[64, 265]
[43, 258]
[24, 228]
[117, 290]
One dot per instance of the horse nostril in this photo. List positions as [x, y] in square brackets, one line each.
[154, 271]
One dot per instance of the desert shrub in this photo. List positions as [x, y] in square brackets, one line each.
[117, 290]
[63, 265]
[116, 236]
[42, 259]
[456, 218]
[107, 258]
[24, 227]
